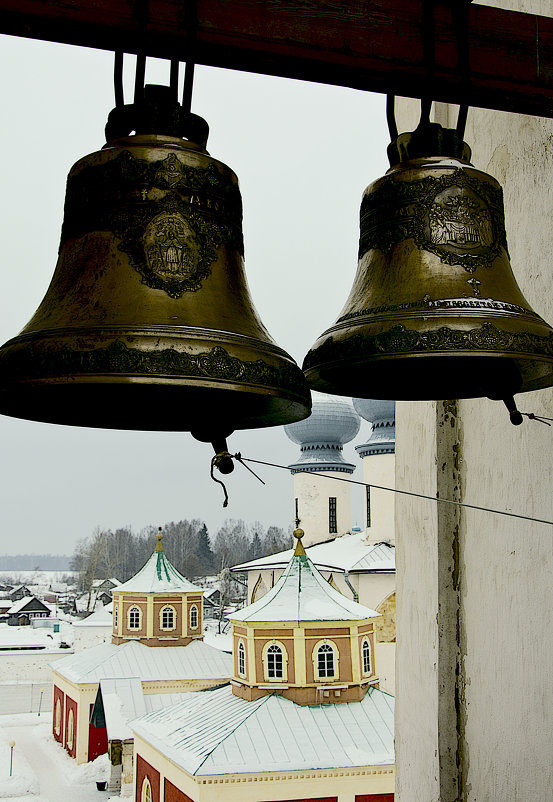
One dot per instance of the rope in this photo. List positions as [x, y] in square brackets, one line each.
[410, 493]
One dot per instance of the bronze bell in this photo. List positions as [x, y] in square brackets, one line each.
[148, 322]
[435, 311]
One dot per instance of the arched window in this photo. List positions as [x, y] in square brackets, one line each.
[366, 652]
[57, 720]
[115, 616]
[70, 730]
[325, 660]
[193, 617]
[259, 589]
[146, 793]
[135, 617]
[241, 659]
[275, 662]
[168, 617]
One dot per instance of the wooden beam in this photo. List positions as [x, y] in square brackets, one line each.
[366, 44]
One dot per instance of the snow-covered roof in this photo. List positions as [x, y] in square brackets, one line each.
[348, 552]
[98, 582]
[197, 660]
[302, 594]
[103, 617]
[215, 732]
[158, 576]
[23, 602]
[124, 700]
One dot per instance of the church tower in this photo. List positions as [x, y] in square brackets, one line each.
[304, 640]
[323, 505]
[379, 466]
[158, 606]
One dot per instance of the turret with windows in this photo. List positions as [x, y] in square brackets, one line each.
[304, 639]
[158, 606]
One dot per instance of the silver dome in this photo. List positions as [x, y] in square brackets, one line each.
[333, 421]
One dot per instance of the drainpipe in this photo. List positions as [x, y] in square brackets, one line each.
[350, 586]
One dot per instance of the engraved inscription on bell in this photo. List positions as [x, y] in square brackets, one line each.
[460, 221]
[170, 246]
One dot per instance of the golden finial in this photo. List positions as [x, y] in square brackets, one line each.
[299, 533]
[159, 536]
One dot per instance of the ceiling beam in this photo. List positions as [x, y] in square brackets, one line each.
[372, 45]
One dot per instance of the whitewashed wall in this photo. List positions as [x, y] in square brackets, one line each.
[379, 469]
[313, 492]
[87, 636]
[474, 691]
[27, 666]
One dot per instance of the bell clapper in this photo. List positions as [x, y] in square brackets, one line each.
[514, 415]
[222, 459]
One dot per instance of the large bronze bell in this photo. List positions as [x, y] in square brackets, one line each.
[435, 311]
[148, 322]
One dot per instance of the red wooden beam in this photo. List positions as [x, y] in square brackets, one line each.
[366, 44]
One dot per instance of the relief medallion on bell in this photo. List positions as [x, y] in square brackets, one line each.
[455, 216]
[169, 218]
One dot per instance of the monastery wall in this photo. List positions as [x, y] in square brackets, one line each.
[29, 665]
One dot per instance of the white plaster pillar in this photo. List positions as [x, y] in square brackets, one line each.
[427, 604]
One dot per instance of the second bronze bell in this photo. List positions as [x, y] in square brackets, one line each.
[148, 322]
[435, 311]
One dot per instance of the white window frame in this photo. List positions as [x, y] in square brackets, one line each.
[265, 656]
[241, 659]
[194, 609]
[57, 719]
[173, 626]
[146, 791]
[69, 741]
[115, 615]
[367, 643]
[336, 659]
[131, 610]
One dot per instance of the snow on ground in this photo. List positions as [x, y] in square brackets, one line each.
[17, 637]
[221, 641]
[42, 770]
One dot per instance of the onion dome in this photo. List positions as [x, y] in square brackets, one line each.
[382, 415]
[321, 437]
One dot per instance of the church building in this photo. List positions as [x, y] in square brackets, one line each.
[302, 719]
[157, 646]
[359, 562]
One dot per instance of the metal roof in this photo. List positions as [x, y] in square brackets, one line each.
[124, 700]
[215, 732]
[303, 594]
[348, 552]
[197, 660]
[158, 576]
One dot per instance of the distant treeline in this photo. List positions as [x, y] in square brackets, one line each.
[187, 544]
[35, 562]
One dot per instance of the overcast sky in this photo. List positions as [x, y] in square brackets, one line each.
[303, 153]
